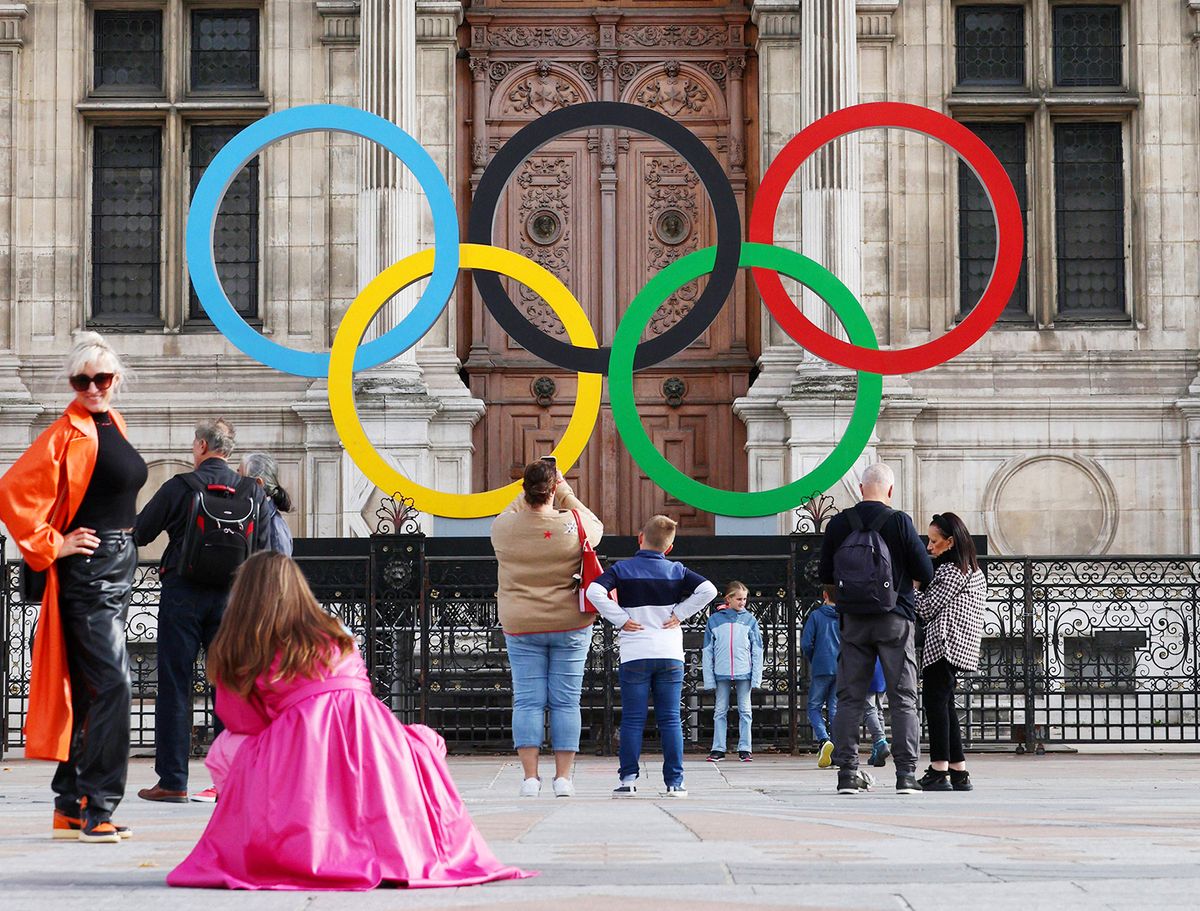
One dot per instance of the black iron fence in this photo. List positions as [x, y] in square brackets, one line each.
[1075, 650]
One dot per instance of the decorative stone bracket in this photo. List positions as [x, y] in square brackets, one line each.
[340, 20]
[12, 19]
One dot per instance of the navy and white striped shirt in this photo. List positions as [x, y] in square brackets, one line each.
[650, 588]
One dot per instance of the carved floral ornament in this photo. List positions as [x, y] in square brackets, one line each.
[541, 92]
[673, 93]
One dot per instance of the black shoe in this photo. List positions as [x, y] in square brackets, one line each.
[853, 781]
[961, 781]
[745, 756]
[716, 755]
[933, 780]
[908, 784]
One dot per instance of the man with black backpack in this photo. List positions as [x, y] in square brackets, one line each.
[211, 517]
[872, 555]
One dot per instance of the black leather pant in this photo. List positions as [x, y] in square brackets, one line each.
[93, 600]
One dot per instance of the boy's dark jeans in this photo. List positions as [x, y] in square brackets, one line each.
[662, 680]
[188, 618]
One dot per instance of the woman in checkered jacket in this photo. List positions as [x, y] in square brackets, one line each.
[952, 608]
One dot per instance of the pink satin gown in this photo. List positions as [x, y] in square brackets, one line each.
[325, 789]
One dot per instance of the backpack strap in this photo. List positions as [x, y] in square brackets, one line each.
[194, 483]
[245, 488]
[881, 519]
[855, 520]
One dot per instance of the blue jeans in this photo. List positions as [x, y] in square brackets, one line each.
[822, 694]
[721, 714]
[547, 673]
[662, 680]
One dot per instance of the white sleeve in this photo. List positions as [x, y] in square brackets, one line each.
[597, 595]
[696, 601]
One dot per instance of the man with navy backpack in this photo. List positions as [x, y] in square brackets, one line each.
[211, 517]
[872, 555]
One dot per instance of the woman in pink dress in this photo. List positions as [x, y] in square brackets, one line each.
[320, 786]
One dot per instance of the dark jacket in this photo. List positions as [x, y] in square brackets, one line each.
[168, 511]
[821, 641]
[909, 559]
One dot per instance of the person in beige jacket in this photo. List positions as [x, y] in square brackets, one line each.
[538, 550]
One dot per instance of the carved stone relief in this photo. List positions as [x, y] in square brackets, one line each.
[523, 36]
[672, 93]
[540, 93]
[545, 219]
[673, 35]
[673, 212]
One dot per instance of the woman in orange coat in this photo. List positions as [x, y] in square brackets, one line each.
[69, 504]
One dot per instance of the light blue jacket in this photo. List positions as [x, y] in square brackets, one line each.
[733, 648]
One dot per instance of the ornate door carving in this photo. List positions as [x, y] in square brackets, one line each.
[605, 210]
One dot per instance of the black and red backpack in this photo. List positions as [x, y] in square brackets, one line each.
[220, 530]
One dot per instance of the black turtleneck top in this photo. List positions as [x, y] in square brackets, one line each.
[110, 501]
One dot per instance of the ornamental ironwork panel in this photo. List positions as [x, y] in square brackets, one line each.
[126, 224]
[224, 54]
[1089, 201]
[128, 52]
[989, 46]
[235, 238]
[1087, 46]
[977, 222]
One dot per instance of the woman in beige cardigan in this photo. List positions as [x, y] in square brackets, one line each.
[538, 550]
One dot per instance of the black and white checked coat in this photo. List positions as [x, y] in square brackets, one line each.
[952, 606]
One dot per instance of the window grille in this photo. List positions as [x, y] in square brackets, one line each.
[976, 222]
[1089, 189]
[235, 240]
[1087, 46]
[126, 224]
[128, 51]
[990, 45]
[225, 50]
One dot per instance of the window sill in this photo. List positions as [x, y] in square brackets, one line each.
[201, 326]
[108, 106]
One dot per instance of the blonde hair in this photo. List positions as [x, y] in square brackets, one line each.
[91, 348]
[736, 586]
[272, 613]
[659, 532]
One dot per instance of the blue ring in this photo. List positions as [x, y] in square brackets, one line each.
[202, 218]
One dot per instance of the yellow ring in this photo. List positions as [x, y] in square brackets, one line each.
[349, 335]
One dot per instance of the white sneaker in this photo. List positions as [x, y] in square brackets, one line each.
[564, 787]
[676, 790]
[531, 787]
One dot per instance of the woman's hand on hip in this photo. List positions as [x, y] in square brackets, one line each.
[79, 541]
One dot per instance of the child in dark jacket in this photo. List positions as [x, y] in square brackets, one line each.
[732, 659]
[821, 641]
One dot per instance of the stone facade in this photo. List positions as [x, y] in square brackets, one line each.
[1048, 435]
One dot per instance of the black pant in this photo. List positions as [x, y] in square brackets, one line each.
[188, 618]
[93, 600]
[941, 717]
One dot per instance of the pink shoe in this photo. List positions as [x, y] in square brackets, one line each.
[208, 795]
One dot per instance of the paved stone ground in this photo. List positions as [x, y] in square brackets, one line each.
[1050, 832]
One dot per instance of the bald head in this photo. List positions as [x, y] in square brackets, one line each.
[877, 483]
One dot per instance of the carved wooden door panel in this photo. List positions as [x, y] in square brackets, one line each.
[605, 211]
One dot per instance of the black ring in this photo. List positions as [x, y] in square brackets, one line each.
[641, 120]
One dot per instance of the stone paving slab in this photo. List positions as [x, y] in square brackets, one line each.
[1052, 832]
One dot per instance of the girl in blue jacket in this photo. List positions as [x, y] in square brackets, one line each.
[732, 659]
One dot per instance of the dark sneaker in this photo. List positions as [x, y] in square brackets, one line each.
[99, 831]
[961, 781]
[625, 790]
[933, 780]
[908, 784]
[745, 756]
[716, 755]
[880, 753]
[825, 754]
[162, 795]
[852, 781]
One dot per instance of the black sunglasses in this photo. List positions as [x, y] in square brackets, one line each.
[81, 381]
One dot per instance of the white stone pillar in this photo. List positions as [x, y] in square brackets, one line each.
[12, 38]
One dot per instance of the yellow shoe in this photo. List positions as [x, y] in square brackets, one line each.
[825, 756]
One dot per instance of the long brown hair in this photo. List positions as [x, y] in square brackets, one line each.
[962, 554]
[272, 611]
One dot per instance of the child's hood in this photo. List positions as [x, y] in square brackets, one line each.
[829, 610]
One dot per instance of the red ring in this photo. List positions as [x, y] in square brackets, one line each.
[1010, 236]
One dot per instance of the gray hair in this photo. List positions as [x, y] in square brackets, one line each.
[878, 475]
[261, 465]
[218, 433]
[91, 348]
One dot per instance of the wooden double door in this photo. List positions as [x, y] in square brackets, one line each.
[605, 210]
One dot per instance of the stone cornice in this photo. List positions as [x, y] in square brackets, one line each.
[776, 19]
[340, 21]
[438, 19]
[12, 18]
[875, 20]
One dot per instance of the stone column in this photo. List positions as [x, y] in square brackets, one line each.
[12, 23]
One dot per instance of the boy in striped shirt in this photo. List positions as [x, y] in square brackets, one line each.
[656, 595]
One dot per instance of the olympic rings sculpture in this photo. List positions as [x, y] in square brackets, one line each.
[582, 352]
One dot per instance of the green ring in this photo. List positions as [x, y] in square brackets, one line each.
[854, 441]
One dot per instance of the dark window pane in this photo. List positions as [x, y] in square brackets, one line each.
[1087, 45]
[225, 50]
[977, 224]
[126, 224]
[1089, 188]
[235, 241]
[990, 45]
[128, 51]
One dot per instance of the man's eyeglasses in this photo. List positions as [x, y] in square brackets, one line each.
[81, 381]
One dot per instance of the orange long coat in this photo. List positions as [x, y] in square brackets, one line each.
[38, 496]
